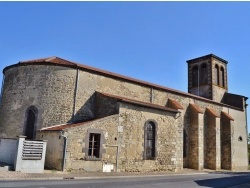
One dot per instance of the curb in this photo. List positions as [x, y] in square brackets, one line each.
[97, 177]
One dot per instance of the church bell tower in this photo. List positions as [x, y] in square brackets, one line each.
[207, 77]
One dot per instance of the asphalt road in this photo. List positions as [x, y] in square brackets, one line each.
[162, 181]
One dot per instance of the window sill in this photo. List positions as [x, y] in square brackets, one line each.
[150, 159]
[92, 159]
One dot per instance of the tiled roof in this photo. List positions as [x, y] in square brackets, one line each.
[63, 62]
[53, 60]
[227, 115]
[174, 104]
[213, 112]
[196, 108]
[70, 125]
[140, 103]
[61, 127]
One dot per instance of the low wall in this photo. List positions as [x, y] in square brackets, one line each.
[8, 150]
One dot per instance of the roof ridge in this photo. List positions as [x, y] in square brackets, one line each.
[37, 59]
[50, 58]
[139, 102]
[72, 125]
[119, 76]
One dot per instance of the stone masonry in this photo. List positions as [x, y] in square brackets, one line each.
[74, 101]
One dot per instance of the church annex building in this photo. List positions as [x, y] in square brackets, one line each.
[92, 117]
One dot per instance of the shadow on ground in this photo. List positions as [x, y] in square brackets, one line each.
[234, 179]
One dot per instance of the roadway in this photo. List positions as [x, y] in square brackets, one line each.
[215, 180]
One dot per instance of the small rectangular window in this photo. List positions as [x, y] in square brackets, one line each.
[94, 145]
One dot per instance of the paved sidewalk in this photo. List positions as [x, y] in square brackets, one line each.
[52, 174]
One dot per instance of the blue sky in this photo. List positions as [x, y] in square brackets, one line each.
[150, 41]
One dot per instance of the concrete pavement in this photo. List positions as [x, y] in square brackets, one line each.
[52, 174]
[57, 175]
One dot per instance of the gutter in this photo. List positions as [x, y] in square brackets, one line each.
[246, 128]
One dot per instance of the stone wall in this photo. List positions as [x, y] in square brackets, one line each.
[105, 106]
[89, 83]
[126, 133]
[226, 144]
[49, 88]
[217, 90]
[203, 90]
[193, 150]
[168, 140]
[60, 99]
[76, 144]
[238, 140]
[210, 146]
[54, 150]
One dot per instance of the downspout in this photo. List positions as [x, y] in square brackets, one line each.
[75, 95]
[64, 150]
[245, 99]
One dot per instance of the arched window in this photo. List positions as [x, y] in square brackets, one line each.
[203, 74]
[30, 126]
[195, 76]
[149, 140]
[217, 75]
[222, 73]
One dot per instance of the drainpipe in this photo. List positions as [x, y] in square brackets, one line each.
[75, 95]
[64, 149]
[245, 99]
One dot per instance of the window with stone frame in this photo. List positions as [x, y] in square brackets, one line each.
[94, 141]
[150, 137]
[94, 145]
[195, 76]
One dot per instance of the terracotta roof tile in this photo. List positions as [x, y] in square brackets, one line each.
[61, 127]
[213, 112]
[53, 60]
[227, 115]
[70, 125]
[60, 61]
[196, 108]
[140, 103]
[174, 104]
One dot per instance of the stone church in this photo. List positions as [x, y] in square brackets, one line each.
[92, 118]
